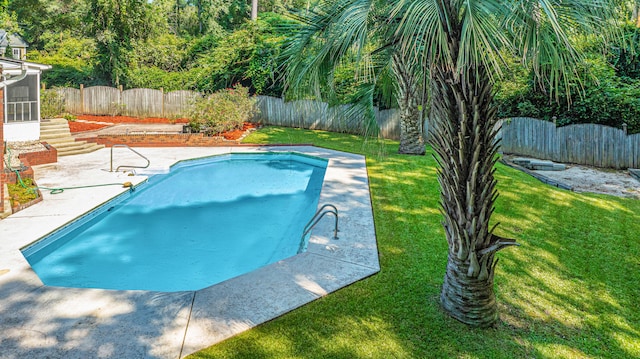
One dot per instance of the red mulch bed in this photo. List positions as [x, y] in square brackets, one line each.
[75, 126]
[234, 135]
[83, 126]
[128, 119]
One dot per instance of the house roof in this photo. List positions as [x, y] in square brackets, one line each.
[13, 40]
[11, 70]
[12, 65]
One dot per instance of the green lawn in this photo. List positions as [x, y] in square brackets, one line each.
[571, 290]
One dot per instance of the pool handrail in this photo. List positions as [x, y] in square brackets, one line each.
[128, 166]
[316, 218]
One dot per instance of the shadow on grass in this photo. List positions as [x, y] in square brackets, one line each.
[569, 290]
[574, 279]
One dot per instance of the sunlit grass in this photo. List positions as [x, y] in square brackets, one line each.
[569, 291]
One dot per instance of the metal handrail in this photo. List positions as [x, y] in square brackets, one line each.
[315, 219]
[128, 166]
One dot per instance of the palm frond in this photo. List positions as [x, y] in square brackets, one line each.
[542, 29]
[324, 36]
[329, 35]
[482, 39]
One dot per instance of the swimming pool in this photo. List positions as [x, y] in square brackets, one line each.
[206, 221]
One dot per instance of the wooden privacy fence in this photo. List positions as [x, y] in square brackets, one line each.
[104, 100]
[588, 144]
[318, 115]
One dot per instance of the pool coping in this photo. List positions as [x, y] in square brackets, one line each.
[39, 320]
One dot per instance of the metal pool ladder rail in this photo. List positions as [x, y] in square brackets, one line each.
[315, 219]
[128, 166]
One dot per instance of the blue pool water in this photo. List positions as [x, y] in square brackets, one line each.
[206, 221]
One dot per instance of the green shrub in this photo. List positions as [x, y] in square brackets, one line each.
[51, 104]
[156, 78]
[72, 59]
[247, 55]
[225, 110]
[20, 194]
[625, 57]
[605, 99]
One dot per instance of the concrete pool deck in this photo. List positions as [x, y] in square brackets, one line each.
[55, 322]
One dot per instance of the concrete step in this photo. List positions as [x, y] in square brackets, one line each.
[55, 138]
[67, 144]
[58, 140]
[48, 126]
[53, 121]
[89, 147]
[55, 132]
[539, 165]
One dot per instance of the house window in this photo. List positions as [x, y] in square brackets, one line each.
[16, 54]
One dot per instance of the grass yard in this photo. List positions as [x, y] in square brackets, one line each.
[571, 290]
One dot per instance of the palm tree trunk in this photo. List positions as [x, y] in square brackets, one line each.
[463, 137]
[467, 299]
[464, 140]
[411, 126]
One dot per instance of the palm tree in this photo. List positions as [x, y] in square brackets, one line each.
[464, 41]
[411, 98]
[355, 30]
[460, 43]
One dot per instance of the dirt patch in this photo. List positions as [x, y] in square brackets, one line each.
[594, 180]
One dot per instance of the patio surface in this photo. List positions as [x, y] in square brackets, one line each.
[39, 321]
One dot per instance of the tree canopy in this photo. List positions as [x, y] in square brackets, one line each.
[171, 44]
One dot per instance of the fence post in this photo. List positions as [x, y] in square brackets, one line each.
[121, 109]
[624, 128]
[82, 99]
[162, 92]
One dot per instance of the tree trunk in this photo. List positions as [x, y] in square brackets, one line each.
[467, 299]
[254, 10]
[464, 141]
[411, 121]
[200, 21]
[463, 136]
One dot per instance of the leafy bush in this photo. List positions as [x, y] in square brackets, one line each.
[72, 60]
[51, 104]
[156, 78]
[166, 51]
[605, 99]
[222, 111]
[625, 57]
[248, 55]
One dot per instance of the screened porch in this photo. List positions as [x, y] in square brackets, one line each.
[21, 100]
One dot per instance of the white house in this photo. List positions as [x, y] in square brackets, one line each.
[21, 80]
